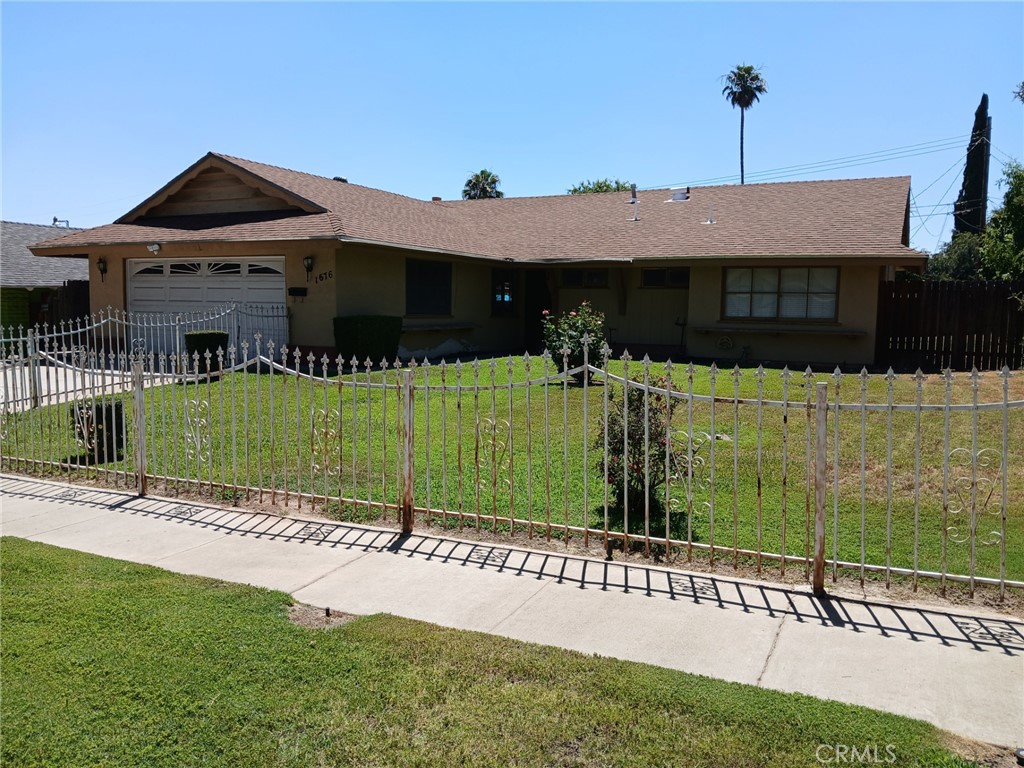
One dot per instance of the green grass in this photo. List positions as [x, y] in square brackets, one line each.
[110, 663]
[273, 443]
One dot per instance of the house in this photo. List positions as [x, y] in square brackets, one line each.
[35, 290]
[783, 271]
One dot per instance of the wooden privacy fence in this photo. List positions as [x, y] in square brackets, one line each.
[934, 325]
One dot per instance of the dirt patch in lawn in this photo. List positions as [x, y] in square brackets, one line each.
[311, 617]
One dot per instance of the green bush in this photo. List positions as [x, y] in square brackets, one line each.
[99, 427]
[202, 342]
[640, 487]
[568, 330]
[368, 336]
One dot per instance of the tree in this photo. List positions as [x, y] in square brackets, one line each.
[1003, 247]
[600, 185]
[970, 206]
[482, 184]
[998, 253]
[1018, 94]
[743, 86]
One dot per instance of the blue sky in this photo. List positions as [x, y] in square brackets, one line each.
[104, 103]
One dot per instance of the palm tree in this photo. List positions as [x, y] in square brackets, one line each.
[482, 184]
[743, 86]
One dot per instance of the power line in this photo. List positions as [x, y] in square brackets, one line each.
[868, 158]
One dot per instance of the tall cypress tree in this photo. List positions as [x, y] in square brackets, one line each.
[970, 207]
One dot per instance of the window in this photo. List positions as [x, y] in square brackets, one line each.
[675, 277]
[224, 268]
[584, 278]
[502, 292]
[185, 267]
[781, 293]
[264, 269]
[428, 287]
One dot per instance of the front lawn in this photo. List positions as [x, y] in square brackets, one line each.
[109, 663]
[536, 454]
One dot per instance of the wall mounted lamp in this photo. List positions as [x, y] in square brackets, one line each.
[101, 267]
[154, 248]
[307, 262]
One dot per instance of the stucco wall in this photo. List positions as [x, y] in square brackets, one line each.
[850, 340]
[650, 313]
[372, 281]
[350, 279]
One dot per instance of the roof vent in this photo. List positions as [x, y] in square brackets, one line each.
[342, 179]
[435, 199]
[679, 195]
[634, 202]
[711, 215]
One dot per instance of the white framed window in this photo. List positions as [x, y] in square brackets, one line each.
[780, 293]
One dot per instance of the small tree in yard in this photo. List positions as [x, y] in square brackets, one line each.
[568, 330]
[633, 476]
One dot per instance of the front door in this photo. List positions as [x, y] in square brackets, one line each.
[537, 298]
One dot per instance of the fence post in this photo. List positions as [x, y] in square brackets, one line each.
[34, 379]
[139, 426]
[407, 451]
[820, 472]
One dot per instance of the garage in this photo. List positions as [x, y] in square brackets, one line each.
[197, 293]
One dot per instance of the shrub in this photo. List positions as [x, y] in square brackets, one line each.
[201, 342]
[368, 336]
[568, 330]
[99, 427]
[626, 451]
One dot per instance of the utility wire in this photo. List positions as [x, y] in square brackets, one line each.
[910, 150]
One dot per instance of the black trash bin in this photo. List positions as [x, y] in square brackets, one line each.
[99, 427]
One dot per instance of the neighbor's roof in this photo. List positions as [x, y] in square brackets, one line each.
[20, 269]
[847, 218]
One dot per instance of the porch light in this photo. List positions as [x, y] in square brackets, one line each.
[307, 262]
[101, 266]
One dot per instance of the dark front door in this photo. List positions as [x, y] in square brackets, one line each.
[536, 299]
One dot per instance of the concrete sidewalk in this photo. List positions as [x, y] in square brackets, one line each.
[962, 671]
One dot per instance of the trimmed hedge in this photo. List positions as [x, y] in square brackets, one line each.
[368, 336]
[203, 342]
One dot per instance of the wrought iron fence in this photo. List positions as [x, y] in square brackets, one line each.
[883, 477]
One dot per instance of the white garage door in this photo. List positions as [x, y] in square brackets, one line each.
[190, 288]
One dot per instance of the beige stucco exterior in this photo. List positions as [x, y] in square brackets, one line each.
[372, 281]
[849, 340]
[355, 278]
[635, 316]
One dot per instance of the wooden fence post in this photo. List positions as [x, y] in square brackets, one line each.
[407, 449]
[820, 472]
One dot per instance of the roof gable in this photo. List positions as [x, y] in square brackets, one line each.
[216, 186]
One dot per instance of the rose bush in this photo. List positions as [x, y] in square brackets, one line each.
[567, 332]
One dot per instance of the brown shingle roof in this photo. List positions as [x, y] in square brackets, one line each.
[848, 218]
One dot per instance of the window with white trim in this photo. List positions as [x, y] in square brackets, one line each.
[780, 293]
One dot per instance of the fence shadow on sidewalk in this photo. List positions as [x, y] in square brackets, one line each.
[915, 623]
